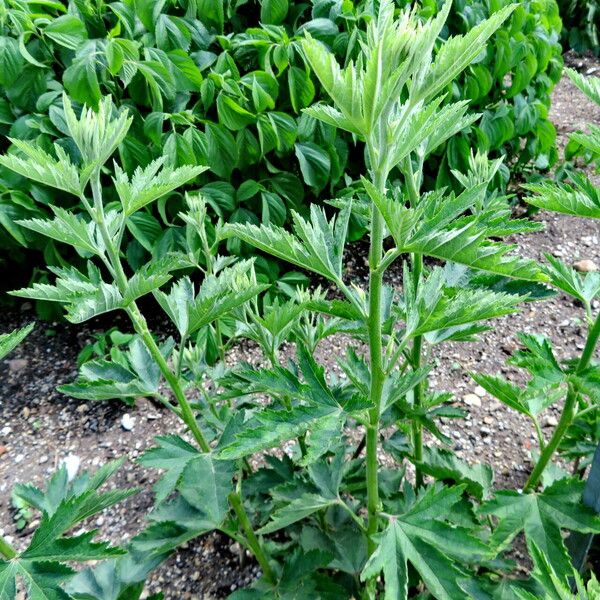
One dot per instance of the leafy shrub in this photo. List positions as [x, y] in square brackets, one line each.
[44, 570]
[581, 25]
[340, 518]
[223, 84]
[509, 83]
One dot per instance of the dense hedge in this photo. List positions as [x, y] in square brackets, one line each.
[223, 83]
[581, 25]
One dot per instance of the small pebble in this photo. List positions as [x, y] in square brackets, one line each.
[127, 422]
[585, 266]
[72, 463]
[550, 421]
[472, 400]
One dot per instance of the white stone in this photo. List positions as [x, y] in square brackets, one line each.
[127, 422]
[72, 463]
[472, 400]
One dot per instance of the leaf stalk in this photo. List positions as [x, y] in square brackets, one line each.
[569, 410]
[253, 542]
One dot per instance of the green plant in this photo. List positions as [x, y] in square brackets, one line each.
[322, 517]
[576, 379]
[581, 25]
[509, 83]
[223, 84]
[105, 343]
[390, 99]
[43, 568]
[9, 341]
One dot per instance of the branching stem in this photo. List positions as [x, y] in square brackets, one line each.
[253, 542]
[376, 358]
[416, 353]
[138, 320]
[569, 412]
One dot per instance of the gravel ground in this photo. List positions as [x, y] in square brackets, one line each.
[39, 426]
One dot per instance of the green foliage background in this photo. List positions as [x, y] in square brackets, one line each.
[581, 25]
[223, 83]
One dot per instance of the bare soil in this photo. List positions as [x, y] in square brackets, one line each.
[40, 426]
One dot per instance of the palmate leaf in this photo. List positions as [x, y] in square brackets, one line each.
[395, 51]
[270, 427]
[205, 484]
[553, 586]
[317, 245]
[422, 537]
[150, 183]
[41, 567]
[9, 341]
[60, 489]
[438, 227]
[97, 134]
[542, 516]
[121, 578]
[85, 296]
[580, 198]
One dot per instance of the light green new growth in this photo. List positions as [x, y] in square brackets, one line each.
[391, 99]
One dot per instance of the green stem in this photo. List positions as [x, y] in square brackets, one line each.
[253, 542]
[376, 358]
[569, 411]
[416, 354]
[563, 424]
[179, 364]
[138, 320]
[187, 415]
[6, 549]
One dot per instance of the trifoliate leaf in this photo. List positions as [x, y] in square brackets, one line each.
[438, 227]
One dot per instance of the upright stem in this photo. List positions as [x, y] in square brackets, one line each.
[6, 549]
[138, 320]
[253, 542]
[417, 430]
[187, 415]
[376, 357]
[416, 353]
[569, 411]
